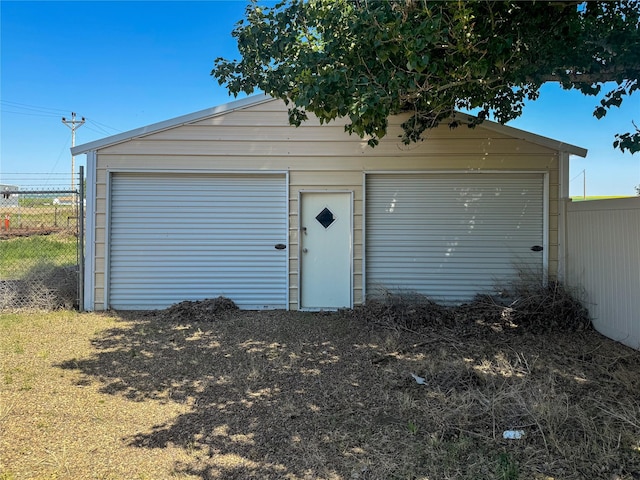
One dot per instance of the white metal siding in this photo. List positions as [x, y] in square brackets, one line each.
[177, 237]
[450, 236]
[604, 260]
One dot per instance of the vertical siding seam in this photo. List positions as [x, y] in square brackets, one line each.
[287, 236]
[363, 233]
[107, 240]
[90, 235]
[546, 219]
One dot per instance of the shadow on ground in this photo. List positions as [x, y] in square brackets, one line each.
[300, 395]
[272, 394]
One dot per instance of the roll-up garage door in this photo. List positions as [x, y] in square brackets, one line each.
[187, 237]
[450, 236]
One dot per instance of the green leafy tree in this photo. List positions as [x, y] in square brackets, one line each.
[367, 59]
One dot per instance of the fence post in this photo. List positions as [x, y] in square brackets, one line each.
[81, 241]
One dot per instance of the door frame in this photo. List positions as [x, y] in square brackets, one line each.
[301, 194]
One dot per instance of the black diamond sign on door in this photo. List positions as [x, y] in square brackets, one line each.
[325, 217]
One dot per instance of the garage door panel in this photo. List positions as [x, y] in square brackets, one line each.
[450, 236]
[189, 237]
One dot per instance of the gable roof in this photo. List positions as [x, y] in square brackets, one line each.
[263, 98]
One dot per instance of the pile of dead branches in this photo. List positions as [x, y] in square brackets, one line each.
[200, 310]
[545, 308]
[523, 308]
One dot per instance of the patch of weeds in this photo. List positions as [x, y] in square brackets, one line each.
[144, 476]
[507, 467]
[456, 451]
[5, 409]
[391, 343]
[7, 475]
[59, 460]
[412, 427]
[23, 378]
[9, 320]
[43, 425]
[407, 402]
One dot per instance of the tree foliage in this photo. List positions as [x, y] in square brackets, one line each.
[365, 60]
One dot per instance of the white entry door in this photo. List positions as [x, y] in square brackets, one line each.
[325, 250]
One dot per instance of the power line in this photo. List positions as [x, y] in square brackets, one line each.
[100, 131]
[32, 107]
[62, 150]
[578, 175]
[99, 124]
[38, 111]
[31, 114]
[102, 128]
[584, 182]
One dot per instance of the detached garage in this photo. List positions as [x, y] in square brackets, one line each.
[234, 201]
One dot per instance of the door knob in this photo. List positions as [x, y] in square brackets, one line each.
[304, 250]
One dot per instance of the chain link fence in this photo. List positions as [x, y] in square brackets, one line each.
[40, 241]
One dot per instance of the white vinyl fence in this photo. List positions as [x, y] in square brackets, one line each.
[603, 259]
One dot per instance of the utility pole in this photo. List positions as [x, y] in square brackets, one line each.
[73, 124]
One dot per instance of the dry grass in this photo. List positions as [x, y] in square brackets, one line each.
[236, 394]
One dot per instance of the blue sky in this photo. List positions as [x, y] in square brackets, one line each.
[123, 65]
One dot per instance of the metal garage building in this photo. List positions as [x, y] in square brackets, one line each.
[234, 201]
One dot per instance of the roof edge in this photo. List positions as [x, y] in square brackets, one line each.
[171, 123]
[263, 98]
[534, 138]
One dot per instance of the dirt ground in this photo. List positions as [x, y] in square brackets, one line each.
[204, 391]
